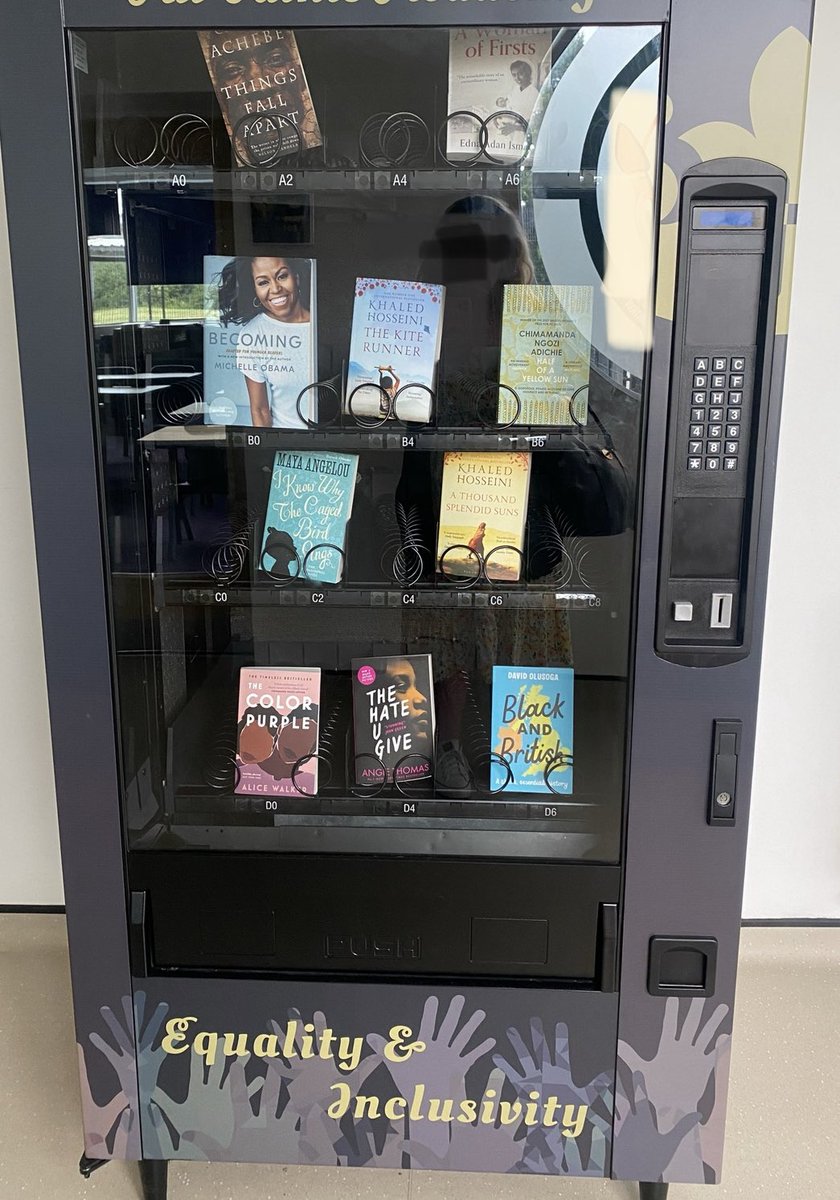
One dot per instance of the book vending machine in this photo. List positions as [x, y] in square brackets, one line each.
[402, 450]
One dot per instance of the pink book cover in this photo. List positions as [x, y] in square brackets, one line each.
[278, 728]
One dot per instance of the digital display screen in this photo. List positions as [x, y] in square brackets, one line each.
[730, 218]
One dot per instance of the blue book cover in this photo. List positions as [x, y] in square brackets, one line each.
[532, 725]
[394, 349]
[308, 508]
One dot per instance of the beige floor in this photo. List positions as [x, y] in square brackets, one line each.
[782, 1135]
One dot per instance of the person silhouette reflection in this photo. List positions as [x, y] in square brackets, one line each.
[477, 247]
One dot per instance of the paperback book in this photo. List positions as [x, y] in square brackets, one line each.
[309, 505]
[532, 727]
[546, 345]
[259, 341]
[483, 510]
[259, 81]
[277, 729]
[394, 349]
[494, 71]
[393, 718]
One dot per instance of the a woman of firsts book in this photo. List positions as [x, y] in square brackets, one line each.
[278, 728]
[393, 718]
[483, 508]
[532, 729]
[394, 348]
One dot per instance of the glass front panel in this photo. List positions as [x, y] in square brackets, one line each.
[370, 313]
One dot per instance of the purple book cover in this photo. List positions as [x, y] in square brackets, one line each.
[277, 731]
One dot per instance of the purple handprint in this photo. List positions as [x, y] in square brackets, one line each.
[205, 1121]
[646, 1150]
[112, 1129]
[677, 1075]
[439, 1069]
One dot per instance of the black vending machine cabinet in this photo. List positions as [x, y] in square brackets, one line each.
[402, 433]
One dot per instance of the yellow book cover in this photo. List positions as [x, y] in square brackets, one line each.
[546, 341]
[483, 508]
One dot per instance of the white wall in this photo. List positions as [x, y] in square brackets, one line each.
[29, 865]
[794, 858]
[794, 850]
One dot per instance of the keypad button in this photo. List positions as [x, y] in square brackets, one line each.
[718, 381]
[732, 447]
[718, 397]
[701, 382]
[733, 414]
[730, 464]
[713, 447]
[712, 464]
[698, 397]
[695, 431]
[702, 364]
[733, 431]
[736, 381]
[715, 431]
[695, 448]
[698, 414]
[695, 464]
[715, 414]
[718, 364]
[738, 364]
[736, 399]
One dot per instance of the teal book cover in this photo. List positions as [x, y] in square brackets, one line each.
[309, 505]
[532, 727]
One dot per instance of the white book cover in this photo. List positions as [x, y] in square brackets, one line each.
[494, 70]
[260, 340]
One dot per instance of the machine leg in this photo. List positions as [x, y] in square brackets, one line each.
[153, 1172]
[653, 1191]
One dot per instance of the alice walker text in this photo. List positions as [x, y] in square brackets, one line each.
[300, 1039]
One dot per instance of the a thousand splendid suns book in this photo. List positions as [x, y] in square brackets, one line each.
[393, 718]
[260, 340]
[483, 509]
[309, 505]
[261, 87]
[394, 348]
[277, 729]
[532, 728]
[494, 71]
[546, 347]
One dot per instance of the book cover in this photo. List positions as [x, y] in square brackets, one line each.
[277, 727]
[483, 509]
[546, 345]
[394, 344]
[532, 727]
[260, 340]
[494, 70]
[309, 505]
[259, 81]
[393, 717]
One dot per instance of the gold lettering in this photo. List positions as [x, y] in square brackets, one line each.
[349, 1053]
[265, 1045]
[205, 1044]
[390, 1108]
[371, 1103]
[176, 1028]
[339, 1107]
[531, 1109]
[487, 1107]
[573, 1124]
[240, 1049]
[468, 1112]
[440, 1110]
[398, 1049]
[582, 6]
[509, 1113]
[416, 1111]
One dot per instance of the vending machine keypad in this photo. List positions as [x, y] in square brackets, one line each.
[717, 411]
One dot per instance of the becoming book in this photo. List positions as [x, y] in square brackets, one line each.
[483, 509]
[393, 718]
[546, 347]
[394, 349]
[494, 71]
[532, 723]
[259, 340]
[309, 505]
[277, 730]
[261, 87]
